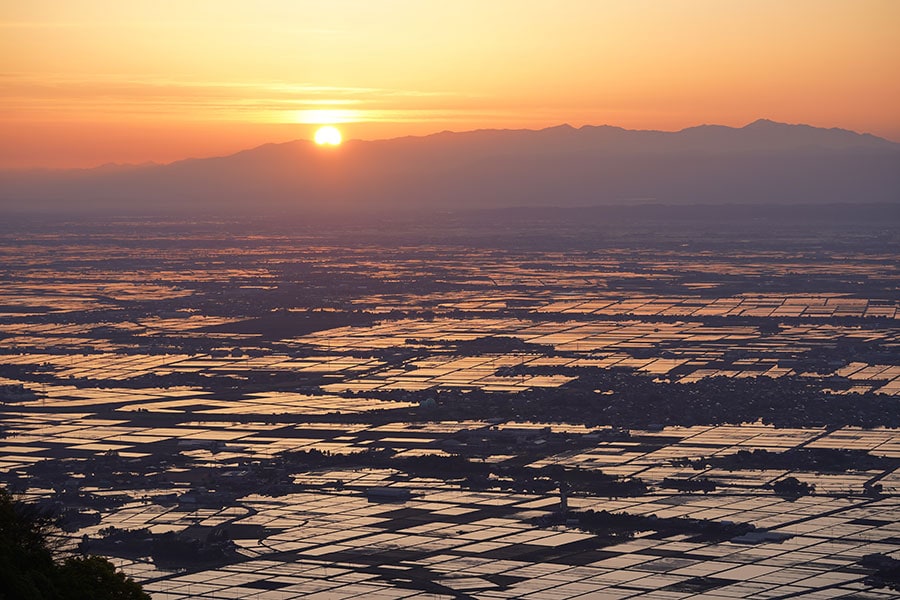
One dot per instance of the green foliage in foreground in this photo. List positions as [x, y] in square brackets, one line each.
[30, 571]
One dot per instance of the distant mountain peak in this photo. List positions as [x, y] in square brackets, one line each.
[765, 123]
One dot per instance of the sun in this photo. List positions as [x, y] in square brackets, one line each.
[328, 135]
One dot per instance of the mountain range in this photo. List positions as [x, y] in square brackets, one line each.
[762, 163]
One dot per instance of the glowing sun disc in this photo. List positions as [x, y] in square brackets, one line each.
[328, 136]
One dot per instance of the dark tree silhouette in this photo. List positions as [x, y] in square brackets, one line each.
[791, 488]
[30, 568]
[95, 578]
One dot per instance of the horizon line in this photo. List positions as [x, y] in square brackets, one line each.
[565, 125]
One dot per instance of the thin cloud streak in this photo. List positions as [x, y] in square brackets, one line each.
[72, 98]
[123, 84]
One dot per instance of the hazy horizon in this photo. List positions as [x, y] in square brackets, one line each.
[764, 162]
[311, 140]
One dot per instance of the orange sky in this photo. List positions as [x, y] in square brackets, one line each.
[85, 82]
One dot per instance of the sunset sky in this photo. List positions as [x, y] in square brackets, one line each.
[84, 82]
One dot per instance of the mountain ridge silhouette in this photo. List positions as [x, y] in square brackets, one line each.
[762, 162]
